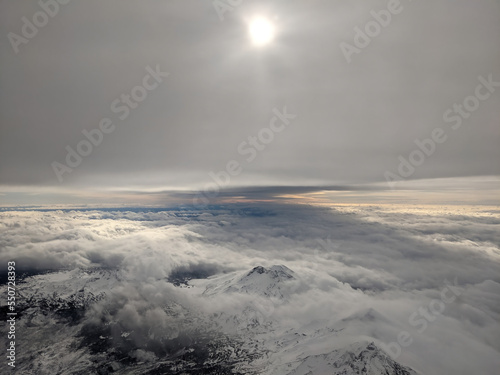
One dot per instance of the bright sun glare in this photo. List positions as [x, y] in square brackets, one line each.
[261, 31]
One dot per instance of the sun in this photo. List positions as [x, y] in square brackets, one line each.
[261, 31]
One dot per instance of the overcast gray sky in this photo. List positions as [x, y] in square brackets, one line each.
[353, 120]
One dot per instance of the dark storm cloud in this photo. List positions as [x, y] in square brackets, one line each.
[210, 196]
[353, 119]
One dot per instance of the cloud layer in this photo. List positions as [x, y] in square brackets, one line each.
[353, 120]
[350, 260]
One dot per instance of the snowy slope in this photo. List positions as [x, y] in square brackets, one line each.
[268, 282]
[65, 289]
[61, 336]
[357, 358]
[289, 350]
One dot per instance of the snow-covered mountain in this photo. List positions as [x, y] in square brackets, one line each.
[77, 288]
[272, 282]
[93, 321]
[357, 358]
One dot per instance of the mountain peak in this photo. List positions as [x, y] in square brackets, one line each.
[357, 358]
[258, 269]
[267, 282]
[277, 271]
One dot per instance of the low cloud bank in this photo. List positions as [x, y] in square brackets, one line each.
[350, 261]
